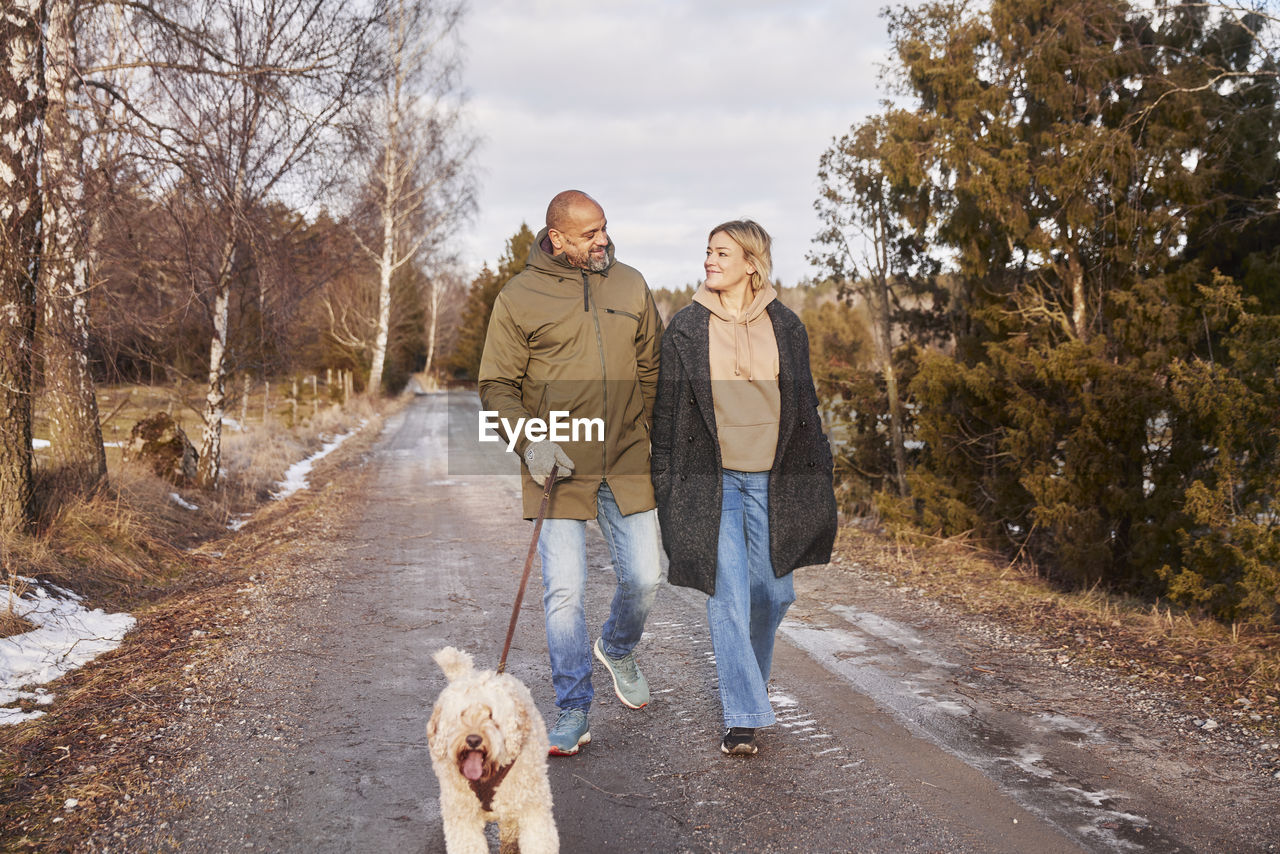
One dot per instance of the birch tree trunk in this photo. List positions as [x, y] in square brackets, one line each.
[434, 300]
[215, 402]
[75, 433]
[387, 261]
[20, 24]
[392, 183]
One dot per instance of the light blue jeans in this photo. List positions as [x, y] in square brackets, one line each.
[749, 603]
[562, 545]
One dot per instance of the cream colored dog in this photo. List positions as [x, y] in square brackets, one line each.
[489, 751]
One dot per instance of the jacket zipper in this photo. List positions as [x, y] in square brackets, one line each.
[604, 379]
[634, 317]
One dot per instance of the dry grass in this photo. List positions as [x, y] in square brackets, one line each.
[1158, 641]
[12, 588]
[11, 620]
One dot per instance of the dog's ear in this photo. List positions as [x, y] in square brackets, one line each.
[515, 741]
[433, 726]
[454, 662]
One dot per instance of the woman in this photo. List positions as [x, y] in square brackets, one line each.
[741, 468]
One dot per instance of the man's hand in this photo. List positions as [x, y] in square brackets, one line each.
[540, 456]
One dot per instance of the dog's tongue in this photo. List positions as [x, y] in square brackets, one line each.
[473, 765]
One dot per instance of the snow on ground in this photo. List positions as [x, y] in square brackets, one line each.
[296, 477]
[66, 636]
[182, 502]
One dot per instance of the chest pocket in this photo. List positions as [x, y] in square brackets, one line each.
[620, 325]
[617, 312]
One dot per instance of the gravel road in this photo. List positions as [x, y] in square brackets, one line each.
[903, 726]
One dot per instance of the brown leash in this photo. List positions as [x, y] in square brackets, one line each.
[528, 564]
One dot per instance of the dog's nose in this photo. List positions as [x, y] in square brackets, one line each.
[474, 741]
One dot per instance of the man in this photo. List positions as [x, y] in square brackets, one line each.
[578, 333]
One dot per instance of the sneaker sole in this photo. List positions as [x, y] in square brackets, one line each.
[617, 693]
[555, 751]
[739, 750]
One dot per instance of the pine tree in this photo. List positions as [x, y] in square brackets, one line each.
[465, 359]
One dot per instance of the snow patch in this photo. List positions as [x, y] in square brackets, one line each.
[295, 478]
[178, 499]
[66, 636]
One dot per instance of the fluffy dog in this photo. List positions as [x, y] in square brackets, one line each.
[489, 751]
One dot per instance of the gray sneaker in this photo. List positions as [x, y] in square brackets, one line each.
[628, 682]
[569, 733]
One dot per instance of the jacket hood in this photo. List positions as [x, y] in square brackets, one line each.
[707, 298]
[544, 258]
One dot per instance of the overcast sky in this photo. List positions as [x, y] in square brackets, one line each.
[675, 116]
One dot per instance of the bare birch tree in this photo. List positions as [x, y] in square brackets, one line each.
[444, 300]
[246, 121]
[418, 185]
[20, 28]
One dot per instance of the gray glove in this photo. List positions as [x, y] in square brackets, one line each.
[540, 456]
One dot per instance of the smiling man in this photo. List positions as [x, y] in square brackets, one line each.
[577, 332]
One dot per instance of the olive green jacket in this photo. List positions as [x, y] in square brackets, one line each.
[561, 338]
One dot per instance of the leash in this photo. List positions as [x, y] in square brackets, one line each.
[528, 564]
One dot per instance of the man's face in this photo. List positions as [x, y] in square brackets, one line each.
[583, 240]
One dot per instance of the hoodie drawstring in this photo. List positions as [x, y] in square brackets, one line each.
[737, 358]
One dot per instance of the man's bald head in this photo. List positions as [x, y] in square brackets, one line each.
[576, 227]
[570, 205]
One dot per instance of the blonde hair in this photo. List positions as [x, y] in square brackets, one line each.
[756, 247]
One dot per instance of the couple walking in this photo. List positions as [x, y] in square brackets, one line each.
[714, 421]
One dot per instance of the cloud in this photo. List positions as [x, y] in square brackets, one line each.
[674, 115]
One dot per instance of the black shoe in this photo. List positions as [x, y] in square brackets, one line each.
[739, 741]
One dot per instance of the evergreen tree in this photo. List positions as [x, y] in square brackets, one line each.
[1078, 168]
[465, 359]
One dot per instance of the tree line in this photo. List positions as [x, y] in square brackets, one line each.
[192, 190]
[1045, 313]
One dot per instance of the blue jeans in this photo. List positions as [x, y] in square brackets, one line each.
[749, 602]
[562, 545]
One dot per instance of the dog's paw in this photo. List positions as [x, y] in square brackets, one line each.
[454, 662]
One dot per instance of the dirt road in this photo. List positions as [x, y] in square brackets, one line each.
[902, 727]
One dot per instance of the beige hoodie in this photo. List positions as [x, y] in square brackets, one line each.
[744, 380]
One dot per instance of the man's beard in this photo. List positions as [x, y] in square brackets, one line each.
[590, 263]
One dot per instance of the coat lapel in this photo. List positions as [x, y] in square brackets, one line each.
[694, 348]
[787, 374]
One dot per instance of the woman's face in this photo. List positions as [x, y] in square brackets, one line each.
[726, 265]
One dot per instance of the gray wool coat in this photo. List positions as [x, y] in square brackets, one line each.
[685, 457]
